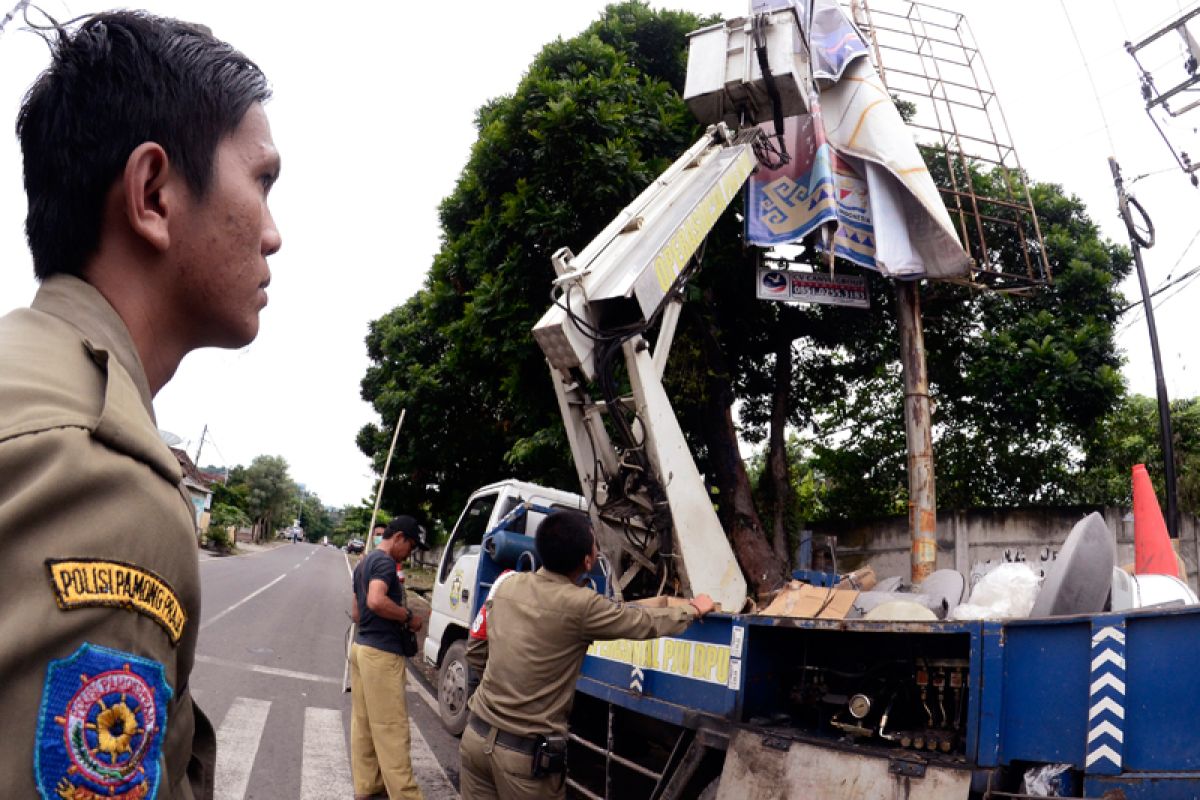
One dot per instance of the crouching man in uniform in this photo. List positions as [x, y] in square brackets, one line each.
[538, 628]
[148, 159]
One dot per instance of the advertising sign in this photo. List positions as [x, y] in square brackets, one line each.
[813, 287]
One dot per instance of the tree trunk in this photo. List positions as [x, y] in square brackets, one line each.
[735, 504]
[778, 476]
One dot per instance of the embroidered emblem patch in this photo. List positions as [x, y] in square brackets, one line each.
[93, 582]
[100, 728]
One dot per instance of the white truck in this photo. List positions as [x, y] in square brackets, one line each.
[458, 583]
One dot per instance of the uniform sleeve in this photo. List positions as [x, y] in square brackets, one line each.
[103, 518]
[604, 619]
[477, 656]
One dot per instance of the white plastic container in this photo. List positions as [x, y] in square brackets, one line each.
[1143, 591]
[723, 74]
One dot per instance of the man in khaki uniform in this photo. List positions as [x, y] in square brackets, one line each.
[148, 159]
[538, 628]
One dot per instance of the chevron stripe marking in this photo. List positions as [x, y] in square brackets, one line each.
[1108, 680]
[1104, 752]
[1108, 657]
[1106, 727]
[1108, 633]
[1107, 704]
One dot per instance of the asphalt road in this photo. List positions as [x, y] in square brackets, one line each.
[269, 672]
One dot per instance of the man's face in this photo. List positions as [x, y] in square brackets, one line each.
[402, 547]
[225, 238]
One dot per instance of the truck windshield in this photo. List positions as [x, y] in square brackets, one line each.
[468, 535]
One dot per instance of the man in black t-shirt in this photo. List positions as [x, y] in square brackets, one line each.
[379, 735]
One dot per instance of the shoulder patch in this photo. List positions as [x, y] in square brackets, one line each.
[93, 582]
[100, 726]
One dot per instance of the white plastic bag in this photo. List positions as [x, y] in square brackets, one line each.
[1007, 591]
[1045, 781]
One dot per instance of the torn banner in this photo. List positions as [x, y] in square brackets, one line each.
[856, 169]
[816, 188]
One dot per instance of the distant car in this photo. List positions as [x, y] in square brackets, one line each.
[355, 546]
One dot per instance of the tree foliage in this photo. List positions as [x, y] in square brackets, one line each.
[270, 493]
[1130, 435]
[315, 519]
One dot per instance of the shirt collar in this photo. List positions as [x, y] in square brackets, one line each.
[77, 302]
[553, 577]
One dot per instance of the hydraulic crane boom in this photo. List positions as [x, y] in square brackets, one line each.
[651, 509]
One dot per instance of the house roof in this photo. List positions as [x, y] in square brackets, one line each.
[192, 476]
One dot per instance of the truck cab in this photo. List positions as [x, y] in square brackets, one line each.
[457, 588]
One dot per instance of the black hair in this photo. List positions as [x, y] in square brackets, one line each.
[563, 539]
[119, 80]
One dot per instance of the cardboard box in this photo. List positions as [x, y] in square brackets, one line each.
[811, 602]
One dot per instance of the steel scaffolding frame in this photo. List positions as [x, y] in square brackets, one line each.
[927, 56]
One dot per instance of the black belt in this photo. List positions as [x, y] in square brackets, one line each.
[522, 744]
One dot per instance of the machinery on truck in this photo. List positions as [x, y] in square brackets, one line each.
[753, 705]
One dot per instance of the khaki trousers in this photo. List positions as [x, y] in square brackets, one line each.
[379, 735]
[489, 771]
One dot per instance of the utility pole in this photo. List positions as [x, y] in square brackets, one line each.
[200, 446]
[1136, 243]
[382, 478]
[922, 499]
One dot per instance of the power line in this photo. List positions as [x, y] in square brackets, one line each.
[1091, 79]
[1183, 281]
[9, 16]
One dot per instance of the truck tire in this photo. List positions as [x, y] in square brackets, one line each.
[452, 688]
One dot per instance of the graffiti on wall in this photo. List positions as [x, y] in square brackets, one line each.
[1038, 559]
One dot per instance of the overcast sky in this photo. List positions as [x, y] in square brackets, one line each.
[373, 114]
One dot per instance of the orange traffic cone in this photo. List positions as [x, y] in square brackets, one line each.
[1152, 549]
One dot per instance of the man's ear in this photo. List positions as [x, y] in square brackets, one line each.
[150, 194]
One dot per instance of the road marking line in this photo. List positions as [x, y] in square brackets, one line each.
[429, 699]
[325, 769]
[237, 746]
[427, 769]
[264, 670]
[350, 638]
[248, 597]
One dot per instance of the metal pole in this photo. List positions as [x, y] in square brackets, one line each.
[200, 446]
[1137, 242]
[379, 493]
[922, 499]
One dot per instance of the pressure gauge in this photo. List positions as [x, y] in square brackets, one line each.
[860, 706]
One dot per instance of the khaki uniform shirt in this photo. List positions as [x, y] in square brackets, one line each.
[539, 626]
[101, 588]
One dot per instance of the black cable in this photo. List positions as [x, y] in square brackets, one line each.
[760, 50]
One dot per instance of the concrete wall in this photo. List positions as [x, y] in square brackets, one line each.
[974, 541]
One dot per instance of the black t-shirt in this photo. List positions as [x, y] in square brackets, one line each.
[373, 630]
